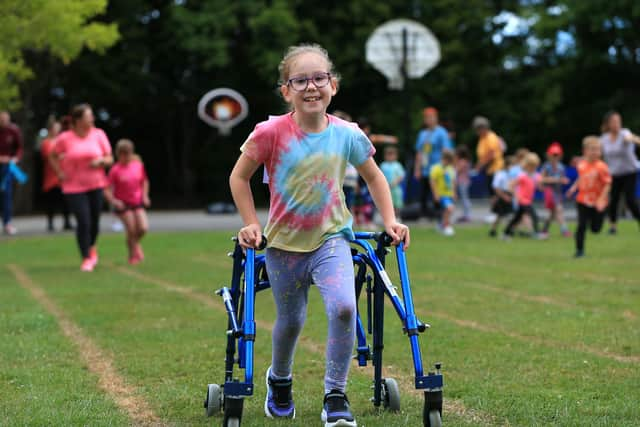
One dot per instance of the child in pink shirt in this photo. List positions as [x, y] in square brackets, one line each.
[525, 190]
[128, 193]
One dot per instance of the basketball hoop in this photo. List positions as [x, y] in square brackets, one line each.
[401, 49]
[223, 108]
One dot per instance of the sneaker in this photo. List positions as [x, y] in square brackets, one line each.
[138, 252]
[335, 410]
[279, 400]
[541, 236]
[506, 237]
[448, 231]
[493, 233]
[579, 254]
[93, 255]
[566, 233]
[133, 260]
[10, 230]
[87, 265]
[613, 231]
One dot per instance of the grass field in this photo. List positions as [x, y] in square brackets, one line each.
[527, 334]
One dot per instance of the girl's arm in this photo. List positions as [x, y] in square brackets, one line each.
[108, 194]
[602, 202]
[249, 236]
[54, 161]
[146, 201]
[417, 165]
[630, 137]
[102, 162]
[571, 191]
[379, 189]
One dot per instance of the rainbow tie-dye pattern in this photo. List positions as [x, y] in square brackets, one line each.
[306, 173]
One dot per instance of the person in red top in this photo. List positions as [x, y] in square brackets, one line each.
[128, 193]
[50, 183]
[525, 190]
[79, 158]
[10, 151]
[593, 185]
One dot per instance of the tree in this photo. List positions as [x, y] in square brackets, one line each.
[60, 27]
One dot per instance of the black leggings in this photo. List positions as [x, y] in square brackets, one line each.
[627, 184]
[54, 202]
[587, 216]
[86, 209]
[522, 210]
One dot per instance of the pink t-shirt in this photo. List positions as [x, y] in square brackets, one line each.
[76, 154]
[526, 188]
[127, 182]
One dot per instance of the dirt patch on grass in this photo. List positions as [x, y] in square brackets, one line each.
[124, 395]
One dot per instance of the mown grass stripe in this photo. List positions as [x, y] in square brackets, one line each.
[472, 324]
[124, 395]
[454, 406]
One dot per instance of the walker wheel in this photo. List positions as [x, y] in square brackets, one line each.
[390, 395]
[232, 411]
[213, 402]
[433, 419]
[232, 422]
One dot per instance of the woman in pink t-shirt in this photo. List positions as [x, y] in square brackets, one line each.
[128, 193]
[79, 158]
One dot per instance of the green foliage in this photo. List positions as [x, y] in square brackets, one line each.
[61, 27]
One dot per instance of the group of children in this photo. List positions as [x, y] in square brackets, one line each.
[515, 187]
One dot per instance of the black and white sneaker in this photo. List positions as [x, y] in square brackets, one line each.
[335, 410]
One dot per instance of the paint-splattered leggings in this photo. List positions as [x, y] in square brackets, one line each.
[330, 268]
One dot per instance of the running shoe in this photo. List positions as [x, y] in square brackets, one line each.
[93, 255]
[87, 265]
[279, 400]
[335, 410]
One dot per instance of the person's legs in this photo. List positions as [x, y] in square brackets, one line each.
[583, 218]
[64, 206]
[629, 188]
[332, 273]
[596, 219]
[466, 200]
[516, 218]
[50, 199]
[426, 197]
[6, 192]
[616, 189]
[79, 206]
[128, 220]
[531, 210]
[95, 209]
[290, 286]
[142, 225]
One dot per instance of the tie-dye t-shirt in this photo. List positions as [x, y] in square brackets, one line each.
[306, 172]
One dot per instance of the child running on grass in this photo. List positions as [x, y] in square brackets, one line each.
[593, 185]
[503, 203]
[394, 173]
[525, 189]
[309, 228]
[128, 193]
[553, 178]
[443, 187]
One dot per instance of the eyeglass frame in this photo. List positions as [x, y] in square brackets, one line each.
[309, 79]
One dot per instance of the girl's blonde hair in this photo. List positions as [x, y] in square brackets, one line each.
[590, 140]
[531, 159]
[125, 146]
[294, 51]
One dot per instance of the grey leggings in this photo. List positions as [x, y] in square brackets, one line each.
[330, 268]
